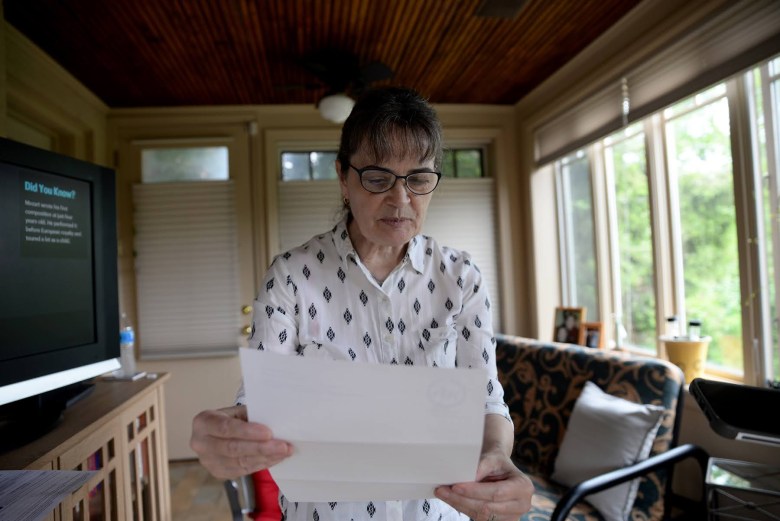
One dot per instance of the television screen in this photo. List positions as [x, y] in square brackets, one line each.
[58, 272]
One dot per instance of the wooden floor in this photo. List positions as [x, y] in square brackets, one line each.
[195, 494]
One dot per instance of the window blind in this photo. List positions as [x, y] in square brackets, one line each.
[306, 208]
[461, 215]
[186, 265]
[731, 41]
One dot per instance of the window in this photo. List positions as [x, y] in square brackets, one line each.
[701, 183]
[577, 234]
[678, 201]
[166, 165]
[736, 135]
[765, 82]
[629, 219]
[462, 163]
[308, 166]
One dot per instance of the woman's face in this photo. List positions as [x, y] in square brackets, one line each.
[392, 218]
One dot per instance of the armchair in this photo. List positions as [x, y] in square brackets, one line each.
[542, 382]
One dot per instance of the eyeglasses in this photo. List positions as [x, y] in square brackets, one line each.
[376, 180]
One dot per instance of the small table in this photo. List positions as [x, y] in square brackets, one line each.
[741, 490]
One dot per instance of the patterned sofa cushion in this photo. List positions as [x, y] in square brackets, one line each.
[546, 496]
[543, 380]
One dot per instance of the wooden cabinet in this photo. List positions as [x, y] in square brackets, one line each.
[118, 431]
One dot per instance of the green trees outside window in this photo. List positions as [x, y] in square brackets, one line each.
[462, 163]
[626, 166]
[700, 165]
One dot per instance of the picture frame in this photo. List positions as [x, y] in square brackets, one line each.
[568, 325]
[594, 334]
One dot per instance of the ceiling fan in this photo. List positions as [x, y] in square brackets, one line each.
[344, 78]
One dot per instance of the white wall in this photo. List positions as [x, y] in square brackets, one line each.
[195, 385]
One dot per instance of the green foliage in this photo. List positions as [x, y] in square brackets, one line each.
[701, 156]
[635, 241]
[462, 163]
[448, 163]
[469, 163]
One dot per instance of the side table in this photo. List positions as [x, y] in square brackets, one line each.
[741, 490]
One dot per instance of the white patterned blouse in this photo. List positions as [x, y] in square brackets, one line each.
[320, 300]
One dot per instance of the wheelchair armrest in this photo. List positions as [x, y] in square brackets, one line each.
[241, 496]
[625, 474]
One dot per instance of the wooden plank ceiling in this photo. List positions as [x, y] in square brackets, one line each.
[134, 53]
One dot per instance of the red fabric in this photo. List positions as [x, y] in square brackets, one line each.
[266, 497]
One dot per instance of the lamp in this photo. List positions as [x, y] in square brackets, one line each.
[335, 107]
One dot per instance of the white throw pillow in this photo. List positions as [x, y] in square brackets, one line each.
[605, 433]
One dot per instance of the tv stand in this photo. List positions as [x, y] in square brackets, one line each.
[79, 391]
[118, 430]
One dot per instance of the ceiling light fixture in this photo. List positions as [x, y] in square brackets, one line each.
[335, 107]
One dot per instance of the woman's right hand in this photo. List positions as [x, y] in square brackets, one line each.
[229, 446]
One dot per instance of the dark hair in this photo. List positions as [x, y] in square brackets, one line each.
[385, 118]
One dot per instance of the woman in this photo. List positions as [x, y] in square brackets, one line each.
[373, 290]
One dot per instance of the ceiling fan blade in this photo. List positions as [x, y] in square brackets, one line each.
[298, 86]
[334, 67]
[375, 71]
[339, 70]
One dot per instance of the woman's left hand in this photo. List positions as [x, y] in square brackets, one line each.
[500, 493]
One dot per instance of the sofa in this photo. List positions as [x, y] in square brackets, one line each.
[542, 382]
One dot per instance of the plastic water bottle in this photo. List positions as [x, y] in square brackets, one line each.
[127, 347]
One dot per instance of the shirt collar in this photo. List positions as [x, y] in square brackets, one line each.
[415, 253]
[342, 241]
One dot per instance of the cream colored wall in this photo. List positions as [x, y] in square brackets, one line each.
[195, 385]
[43, 97]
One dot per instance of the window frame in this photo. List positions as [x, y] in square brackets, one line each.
[566, 241]
[771, 110]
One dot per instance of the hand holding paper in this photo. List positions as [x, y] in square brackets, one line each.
[365, 431]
